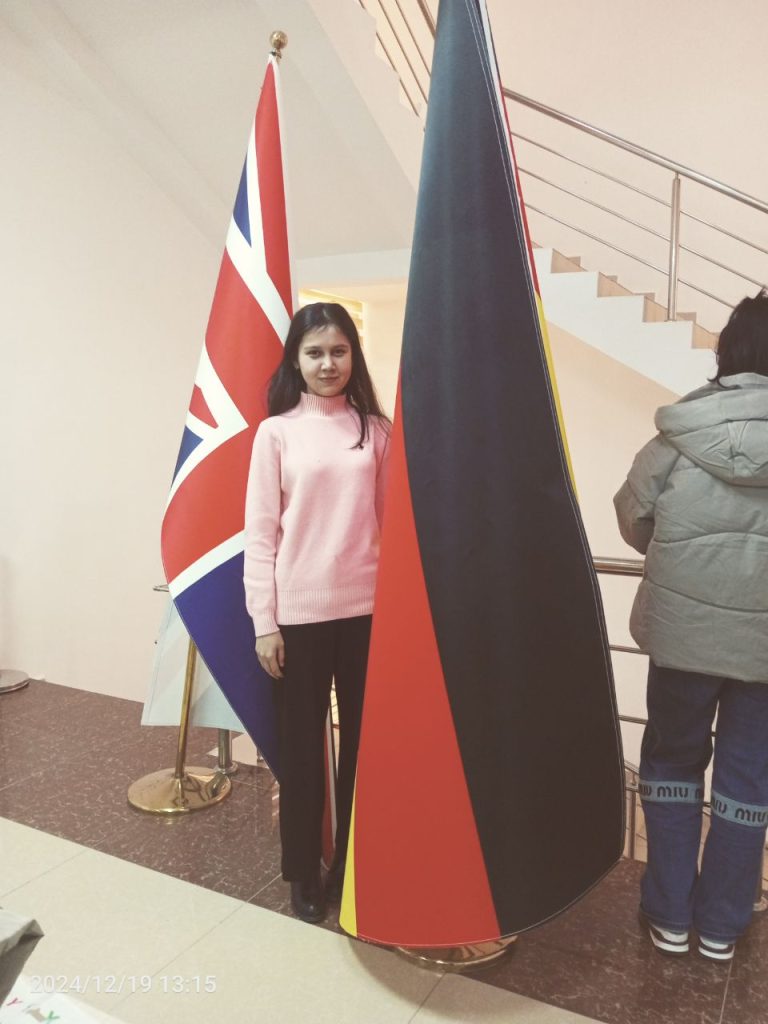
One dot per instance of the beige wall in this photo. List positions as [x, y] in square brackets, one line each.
[106, 289]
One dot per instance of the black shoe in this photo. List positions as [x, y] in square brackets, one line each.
[308, 900]
[334, 882]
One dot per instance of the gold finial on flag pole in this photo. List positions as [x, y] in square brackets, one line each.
[278, 41]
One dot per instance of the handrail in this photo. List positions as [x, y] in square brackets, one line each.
[618, 566]
[592, 170]
[393, 30]
[631, 255]
[392, 64]
[597, 206]
[641, 151]
[427, 14]
[629, 567]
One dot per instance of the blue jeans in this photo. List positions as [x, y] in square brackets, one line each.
[676, 750]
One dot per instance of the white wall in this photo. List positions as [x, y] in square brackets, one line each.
[106, 289]
[120, 121]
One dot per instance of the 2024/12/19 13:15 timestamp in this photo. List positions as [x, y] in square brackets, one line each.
[123, 983]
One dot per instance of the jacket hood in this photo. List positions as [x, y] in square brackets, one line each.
[723, 428]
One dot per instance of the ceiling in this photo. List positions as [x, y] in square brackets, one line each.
[176, 84]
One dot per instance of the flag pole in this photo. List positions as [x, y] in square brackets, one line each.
[180, 790]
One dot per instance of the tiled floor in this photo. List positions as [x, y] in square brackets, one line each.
[146, 948]
[111, 888]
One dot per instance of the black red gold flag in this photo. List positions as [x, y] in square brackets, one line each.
[489, 791]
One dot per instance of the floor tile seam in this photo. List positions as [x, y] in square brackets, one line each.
[93, 849]
[29, 694]
[47, 871]
[725, 990]
[42, 715]
[420, 1007]
[91, 747]
[15, 782]
[259, 784]
[203, 831]
[180, 952]
[97, 847]
[79, 838]
[261, 890]
[242, 900]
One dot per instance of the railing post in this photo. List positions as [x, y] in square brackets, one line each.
[674, 249]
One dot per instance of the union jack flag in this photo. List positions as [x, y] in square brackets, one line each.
[202, 531]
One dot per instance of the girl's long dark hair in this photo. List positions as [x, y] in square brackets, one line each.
[287, 383]
[743, 343]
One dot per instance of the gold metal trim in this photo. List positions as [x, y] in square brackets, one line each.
[225, 764]
[180, 790]
[278, 41]
[455, 959]
[164, 792]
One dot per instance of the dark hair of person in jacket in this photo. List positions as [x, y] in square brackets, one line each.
[743, 343]
[287, 384]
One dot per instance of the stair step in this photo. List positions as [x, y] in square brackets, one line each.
[607, 285]
[702, 338]
[653, 311]
[565, 264]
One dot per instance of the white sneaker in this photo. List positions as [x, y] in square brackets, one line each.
[716, 950]
[671, 943]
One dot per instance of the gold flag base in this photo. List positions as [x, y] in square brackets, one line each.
[164, 792]
[457, 958]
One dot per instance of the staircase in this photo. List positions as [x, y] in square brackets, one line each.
[630, 328]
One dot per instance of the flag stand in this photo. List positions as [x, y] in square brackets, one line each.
[11, 680]
[180, 790]
[454, 959]
[225, 764]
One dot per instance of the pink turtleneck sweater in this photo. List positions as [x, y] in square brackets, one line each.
[313, 514]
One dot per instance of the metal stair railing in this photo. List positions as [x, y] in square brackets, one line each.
[405, 32]
[634, 567]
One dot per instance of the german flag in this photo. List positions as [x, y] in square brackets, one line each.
[489, 792]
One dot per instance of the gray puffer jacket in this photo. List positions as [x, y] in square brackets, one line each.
[696, 504]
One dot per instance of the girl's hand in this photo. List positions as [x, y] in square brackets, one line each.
[270, 650]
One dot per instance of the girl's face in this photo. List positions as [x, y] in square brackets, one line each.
[325, 361]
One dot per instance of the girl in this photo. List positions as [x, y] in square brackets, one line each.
[312, 521]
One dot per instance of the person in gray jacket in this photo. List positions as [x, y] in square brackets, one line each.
[696, 504]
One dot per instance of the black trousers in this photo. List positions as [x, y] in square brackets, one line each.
[316, 654]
